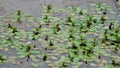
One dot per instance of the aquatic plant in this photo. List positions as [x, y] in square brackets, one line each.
[80, 38]
[2, 58]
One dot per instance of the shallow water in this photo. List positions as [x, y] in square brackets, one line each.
[34, 6]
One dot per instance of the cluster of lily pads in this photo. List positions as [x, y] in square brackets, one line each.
[62, 38]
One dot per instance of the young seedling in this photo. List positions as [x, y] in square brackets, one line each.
[10, 25]
[64, 65]
[113, 35]
[102, 19]
[72, 9]
[49, 7]
[51, 43]
[36, 32]
[12, 30]
[105, 11]
[46, 19]
[45, 57]
[9, 41]
[71, 37]
[69, 19]
[79, 11]
[19, 16]
[114, 63]
[105, 36]
[28, 49]
[40, 26]
[34, 45]
[74, 46]
[2, 58]
[46, 38]
[112, 24]
[54, 30]
[71, 58]
[57, 27]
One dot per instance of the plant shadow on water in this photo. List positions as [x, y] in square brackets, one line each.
[81, 39]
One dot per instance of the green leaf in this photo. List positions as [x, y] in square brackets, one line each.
[22, 56]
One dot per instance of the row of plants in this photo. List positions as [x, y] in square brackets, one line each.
[80, 39]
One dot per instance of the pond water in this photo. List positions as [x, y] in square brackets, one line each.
[34, 6]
